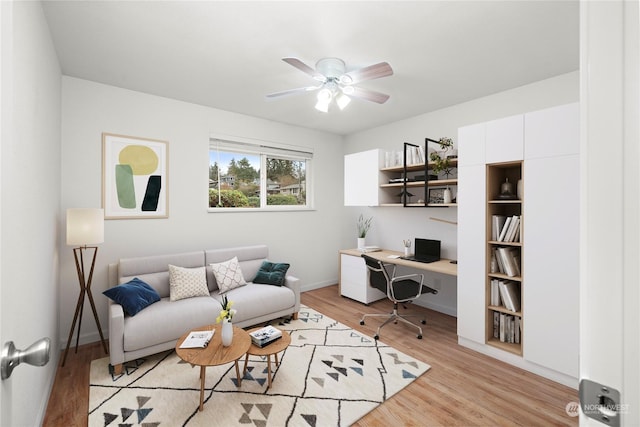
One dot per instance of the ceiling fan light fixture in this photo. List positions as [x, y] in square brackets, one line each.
[325, 95]
[323, 105]
[342, 100]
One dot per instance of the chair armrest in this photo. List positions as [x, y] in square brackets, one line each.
[116, 333]
[293, 283]
[408, 276]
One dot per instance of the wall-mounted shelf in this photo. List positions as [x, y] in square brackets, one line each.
[414, 174]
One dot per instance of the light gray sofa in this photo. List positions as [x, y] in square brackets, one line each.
[158, 327]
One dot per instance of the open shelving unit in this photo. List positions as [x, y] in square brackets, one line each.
[416, 176]
[498, 316]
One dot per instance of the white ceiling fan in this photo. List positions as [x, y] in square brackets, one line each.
[338, 84]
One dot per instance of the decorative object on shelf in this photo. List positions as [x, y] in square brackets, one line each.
[407, 247]
[404, 193]
[436, 195]
[446, 195]
[442, 160]
[363, 228]
[84, 227]
[519, 189]
[225, 316]
[506, 190]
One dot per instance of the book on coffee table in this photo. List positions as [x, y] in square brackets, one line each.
[197, 339]
[265, 336]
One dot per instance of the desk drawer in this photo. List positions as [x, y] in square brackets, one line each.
[353, 280]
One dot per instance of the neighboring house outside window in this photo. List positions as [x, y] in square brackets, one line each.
[258, 175]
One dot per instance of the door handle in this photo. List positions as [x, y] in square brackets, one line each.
[37, 355]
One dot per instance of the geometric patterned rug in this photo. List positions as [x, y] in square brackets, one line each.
[330, 375]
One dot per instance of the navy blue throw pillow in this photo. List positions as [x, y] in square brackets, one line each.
[271, 273]
[133, 296]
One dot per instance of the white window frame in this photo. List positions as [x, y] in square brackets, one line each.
[265, 149]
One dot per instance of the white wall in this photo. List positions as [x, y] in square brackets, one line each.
[393, 224]
[30, 200]
[309, 240]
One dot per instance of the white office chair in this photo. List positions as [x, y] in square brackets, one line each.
[398, 289]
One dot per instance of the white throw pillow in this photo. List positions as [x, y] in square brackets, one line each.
[187, 282]
[228, 275]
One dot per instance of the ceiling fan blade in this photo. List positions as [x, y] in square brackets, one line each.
[369, 95]
[371, 72]
[293, 91]
[305, 68]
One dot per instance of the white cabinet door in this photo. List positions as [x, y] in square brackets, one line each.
[471, 252]
[504, 139]
[471, 145]
[354, 280]
[552, 132]
[362, 178]
[551, 262]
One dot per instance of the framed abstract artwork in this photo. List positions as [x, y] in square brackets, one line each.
[134, 177]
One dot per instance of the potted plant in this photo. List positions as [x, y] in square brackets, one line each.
[441, 159]
[363, 228]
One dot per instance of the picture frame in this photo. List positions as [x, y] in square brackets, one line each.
[134, 177]
[436, 196]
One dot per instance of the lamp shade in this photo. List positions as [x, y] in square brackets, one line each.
[85, 226]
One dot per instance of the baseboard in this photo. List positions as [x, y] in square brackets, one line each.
[318, 285]
[451, 311]
[519, 362]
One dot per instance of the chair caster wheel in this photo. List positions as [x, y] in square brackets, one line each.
[376, 337]
[362, 322]
[419, 337]
[424, 322]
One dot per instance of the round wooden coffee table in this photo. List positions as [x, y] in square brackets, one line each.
[215, 353]
[270, 349]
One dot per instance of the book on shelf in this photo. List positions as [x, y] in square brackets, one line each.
[503, 231]
[510, 294]
[495, 293]
[511, 232]
[509, 258]
[497, 222]
[507, 328]
[197, 339]
[265, 336]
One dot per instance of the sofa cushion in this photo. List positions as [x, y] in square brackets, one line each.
[271, 273]
[228, 275]
[249, 257]
[256, 300]
[187, 282]
[167, 320]
[133, 296]
[154, 270]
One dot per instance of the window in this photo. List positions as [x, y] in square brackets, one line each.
[254, 175]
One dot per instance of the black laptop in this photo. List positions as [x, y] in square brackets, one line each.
[426, 250]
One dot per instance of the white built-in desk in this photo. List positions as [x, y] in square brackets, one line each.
[352, 281]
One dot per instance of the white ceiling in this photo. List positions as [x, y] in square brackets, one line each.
[227, 54]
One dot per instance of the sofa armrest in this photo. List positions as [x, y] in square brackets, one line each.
[116, 333]
[293, 283]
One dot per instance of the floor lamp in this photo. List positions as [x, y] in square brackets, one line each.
[84, 227]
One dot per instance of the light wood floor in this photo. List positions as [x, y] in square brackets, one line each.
[462, 388]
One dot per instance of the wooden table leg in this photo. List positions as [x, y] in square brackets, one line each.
[203, 373]
[246, 360]
[238, 377]
[269, 370]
